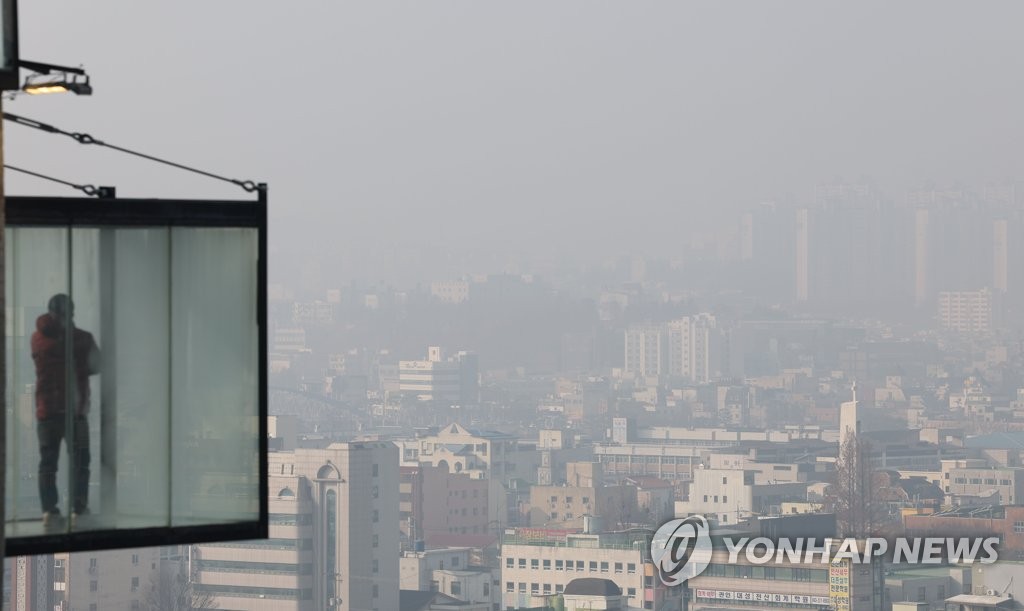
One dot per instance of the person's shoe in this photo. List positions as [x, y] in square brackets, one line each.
[79, 516]
[52, 520]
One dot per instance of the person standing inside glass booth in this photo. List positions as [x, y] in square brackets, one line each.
[56, 368]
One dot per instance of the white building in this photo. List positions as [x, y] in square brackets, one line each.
[692, 348]
[686, 348]
[968, 311]
[448, 571]
[646, 350]
[454, 380]
[455, 291]
[533, 570]
[334, 510]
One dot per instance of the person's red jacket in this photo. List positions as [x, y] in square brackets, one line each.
[49, 355]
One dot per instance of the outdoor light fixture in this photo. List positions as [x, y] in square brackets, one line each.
[37, 84]
[50, 78]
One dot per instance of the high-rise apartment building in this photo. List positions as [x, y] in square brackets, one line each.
[333, 536]
[646, 350]
[968, 311]
[688, 348]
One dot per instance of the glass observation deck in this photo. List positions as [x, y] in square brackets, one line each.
[135, 369]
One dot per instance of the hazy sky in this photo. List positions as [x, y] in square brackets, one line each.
[389, 131]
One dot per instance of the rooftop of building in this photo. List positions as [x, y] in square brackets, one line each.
[986, 512]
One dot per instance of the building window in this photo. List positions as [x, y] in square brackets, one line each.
[522, 563]
[135, 559]
[376, 540]
[559, 565]
[510, 586]
[522, 586]
[94, 585]
[630, 591]
[922, 594]
[375, 591]
[376, 470]
[135, 584]
[534, 588]
[376, 516]
[1018, 527]
[376, 566]
[534, 563]
[618, 567]
[604, 567]
[547, 565]
[510, 563]
[631, 568]
[456, 588]
[593, 566]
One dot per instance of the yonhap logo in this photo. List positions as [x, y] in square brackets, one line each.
[681, 549]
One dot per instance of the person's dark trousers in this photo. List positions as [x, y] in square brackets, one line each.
[51, 431]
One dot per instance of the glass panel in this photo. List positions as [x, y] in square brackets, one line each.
[131, 449]
[141, 346]
[86, 358]
[214, 375]
[37, 269]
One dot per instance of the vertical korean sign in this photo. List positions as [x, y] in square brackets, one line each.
[839, 583]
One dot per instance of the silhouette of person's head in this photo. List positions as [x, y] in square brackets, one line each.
[61, 308]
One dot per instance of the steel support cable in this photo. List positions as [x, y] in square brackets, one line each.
[83, 138]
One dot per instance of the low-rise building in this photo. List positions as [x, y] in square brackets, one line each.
[536, 565]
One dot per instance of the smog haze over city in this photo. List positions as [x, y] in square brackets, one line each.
[541, 279]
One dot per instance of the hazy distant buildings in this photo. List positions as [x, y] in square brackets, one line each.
[646, 350]
[962, 239]
[454, 380]
[693, 345]
[803, 263]
[969, 312]
[455, 291]
[688, 348]
[333, 536]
